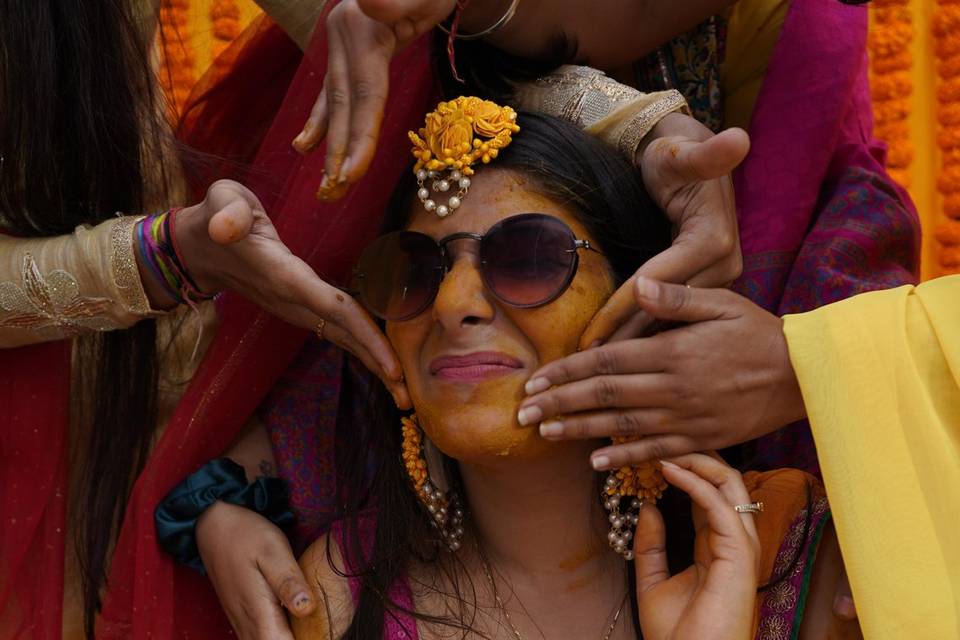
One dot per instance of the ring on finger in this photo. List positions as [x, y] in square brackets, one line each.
[320, 327]
[750, 507]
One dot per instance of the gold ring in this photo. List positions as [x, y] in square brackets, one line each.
[320, 327]
[752, 507]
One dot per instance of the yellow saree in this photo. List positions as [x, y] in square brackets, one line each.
[880, 376]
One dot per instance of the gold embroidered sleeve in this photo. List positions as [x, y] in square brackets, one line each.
[618, 114]
[52, 288]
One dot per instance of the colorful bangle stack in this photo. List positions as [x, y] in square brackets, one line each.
[158, 246]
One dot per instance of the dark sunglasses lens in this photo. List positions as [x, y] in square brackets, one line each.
[529, 259]
[400, 273]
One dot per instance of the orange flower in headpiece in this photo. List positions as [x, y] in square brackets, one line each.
[461, 132]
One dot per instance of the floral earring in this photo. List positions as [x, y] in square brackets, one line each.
[625, 492]
[424, 464]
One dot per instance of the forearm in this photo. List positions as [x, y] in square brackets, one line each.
[53, 288]
[298, 18]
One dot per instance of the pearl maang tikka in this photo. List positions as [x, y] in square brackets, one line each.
[441, 185]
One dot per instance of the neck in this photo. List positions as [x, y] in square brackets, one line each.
[540, 521]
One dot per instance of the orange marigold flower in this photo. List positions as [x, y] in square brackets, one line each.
[948, 233]
[949, 138]
[949, 257]
[951, 205]
[949, 179]
[899, 61]
[891, 110]
[891, 86]
[900, 176]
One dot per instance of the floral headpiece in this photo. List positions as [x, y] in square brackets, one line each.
[455, 136]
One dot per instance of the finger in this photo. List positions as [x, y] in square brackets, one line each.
[656, 447]
[598, 392]
[667, 301]
[650, 550]
[618, 308]
[264, 619]
[726, 479]
[620, 423]
[286, 580]
[712, 158]
[316, 126]
[301, 317]
[231, 223]
[337, 86]
[340, 309]
[637, 325]
[721, 517]
[369, 83]
[635, 356]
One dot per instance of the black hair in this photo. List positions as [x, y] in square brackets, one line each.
[78, 117]
[603, 191]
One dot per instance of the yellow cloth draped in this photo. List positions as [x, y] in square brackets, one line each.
[880, 375]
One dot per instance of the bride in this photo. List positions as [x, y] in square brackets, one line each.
[459, 522]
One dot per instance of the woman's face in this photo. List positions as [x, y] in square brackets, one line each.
[467, 357]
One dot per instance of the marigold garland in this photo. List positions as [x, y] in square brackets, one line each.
[889, 41]
[177, 74]
[946, 34]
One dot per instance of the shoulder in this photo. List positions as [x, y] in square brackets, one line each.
[323, 566]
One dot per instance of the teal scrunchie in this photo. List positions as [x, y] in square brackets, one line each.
[220, 479]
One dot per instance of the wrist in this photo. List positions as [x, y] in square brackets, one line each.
[791, 397]
[674, 124]
[194, 244]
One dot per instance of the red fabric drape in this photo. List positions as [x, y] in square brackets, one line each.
[245, 121]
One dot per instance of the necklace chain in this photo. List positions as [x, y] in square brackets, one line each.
[506, 614]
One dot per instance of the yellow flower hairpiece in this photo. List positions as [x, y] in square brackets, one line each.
[456, 136]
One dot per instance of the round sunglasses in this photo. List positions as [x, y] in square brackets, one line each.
[527, 260]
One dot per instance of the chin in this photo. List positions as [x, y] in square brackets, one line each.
[478, 435]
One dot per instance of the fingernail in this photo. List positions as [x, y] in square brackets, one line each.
[536, 385]
[330, 189]
[647, 287]
[596, 343]
[668, 465]
[529, 415]
[600, 463]
[301, 601]
[551, 429]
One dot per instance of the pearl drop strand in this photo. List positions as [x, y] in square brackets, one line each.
[623, 520]
[441, 185]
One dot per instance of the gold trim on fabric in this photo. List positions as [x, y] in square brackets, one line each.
[123, 267]
[52, 304]
[641, 124]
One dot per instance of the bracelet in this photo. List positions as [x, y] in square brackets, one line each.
[220, 479]
[496, 26]
[161, 254]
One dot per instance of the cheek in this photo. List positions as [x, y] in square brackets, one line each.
[555, 330]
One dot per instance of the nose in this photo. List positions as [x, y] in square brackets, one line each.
[463, 300]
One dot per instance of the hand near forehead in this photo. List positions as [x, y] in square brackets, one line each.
[686, 171]
[362, 38]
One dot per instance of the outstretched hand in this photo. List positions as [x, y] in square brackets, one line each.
[686, 169]
[721, 380]
[229, 242]
[362, 38]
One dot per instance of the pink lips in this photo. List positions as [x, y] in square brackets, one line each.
[474, 367]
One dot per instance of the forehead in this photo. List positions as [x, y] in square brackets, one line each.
[494, 195]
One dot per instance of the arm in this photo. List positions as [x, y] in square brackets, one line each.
[52, 288]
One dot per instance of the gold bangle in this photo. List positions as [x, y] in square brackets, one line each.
[496, 26]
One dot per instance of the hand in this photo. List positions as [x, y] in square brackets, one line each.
[686, 171]
[252, 567]
[362, 37]
[714, 598]
[724, 379]
[228, 242]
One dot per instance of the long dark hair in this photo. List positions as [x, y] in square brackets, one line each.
[78, 116]
[601, 188]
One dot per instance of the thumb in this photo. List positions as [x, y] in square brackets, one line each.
[665, 301]
[287, 581]
[649, 551]
[232, 223]
[713, 158]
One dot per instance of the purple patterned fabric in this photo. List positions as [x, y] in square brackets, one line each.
[820, 219]
[782, 605]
